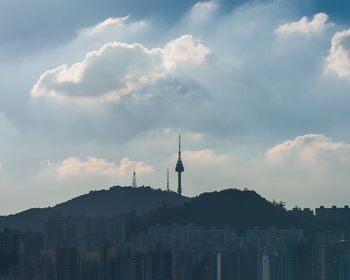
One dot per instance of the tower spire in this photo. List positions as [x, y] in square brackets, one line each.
[179, 169]
[179, 146]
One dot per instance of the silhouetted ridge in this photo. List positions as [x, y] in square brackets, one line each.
[238, 209]
[118, 200]
[106, 203]
[146, 206]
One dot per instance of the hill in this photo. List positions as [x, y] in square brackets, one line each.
[115, 201]
[144, 207]
[238, 209]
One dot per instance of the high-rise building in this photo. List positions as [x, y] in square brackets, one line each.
[179, 168]
[9, 250]
[66, 263]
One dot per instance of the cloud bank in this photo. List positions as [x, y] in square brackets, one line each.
[338, 59]
[305, 26]
[236, 82]
[74, 166]
[310, 149]
[118, 69]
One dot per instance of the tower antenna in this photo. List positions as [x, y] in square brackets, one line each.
[179, 146]
[167, 180]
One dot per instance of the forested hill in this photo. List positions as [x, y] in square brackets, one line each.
[103, 203]
[237, 209]
[145, 207]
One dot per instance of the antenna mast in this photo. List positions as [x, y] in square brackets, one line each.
[167, 181]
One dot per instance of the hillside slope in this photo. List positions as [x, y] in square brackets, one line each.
[238, 209]
[117, 200]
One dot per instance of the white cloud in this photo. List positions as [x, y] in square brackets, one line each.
[185, 50]
[120, 29]
[202, 16]
[126, 166]
[92, 166]
[201, 11]
[108, 24]
[112, 71]
[205, 156]
[309, 148]
[305, 26]
[206, 6]
[118, 69]
[338, 59]
[309, 171]
[74, 166]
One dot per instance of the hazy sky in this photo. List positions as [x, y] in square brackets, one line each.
[89, 89]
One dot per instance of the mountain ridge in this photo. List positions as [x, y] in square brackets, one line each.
[145, 206]
[238, 209]
[107, 202]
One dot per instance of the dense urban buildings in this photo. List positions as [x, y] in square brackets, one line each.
[101, 249]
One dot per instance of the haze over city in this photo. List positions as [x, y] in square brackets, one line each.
[91, 90]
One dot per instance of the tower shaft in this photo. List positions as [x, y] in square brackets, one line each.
[179, 187]
[134, 182]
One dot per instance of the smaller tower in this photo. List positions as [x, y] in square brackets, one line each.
[179, 169]
[134, 183]
[167, 180]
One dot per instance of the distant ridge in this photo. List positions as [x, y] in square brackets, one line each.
[108, 203]
[240, 210]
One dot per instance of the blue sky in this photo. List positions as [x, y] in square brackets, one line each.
[90, 90]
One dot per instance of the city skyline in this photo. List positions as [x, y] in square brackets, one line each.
[174, 140]
[258, 89]
[231, 234]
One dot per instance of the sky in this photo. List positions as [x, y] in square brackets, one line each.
[91, 90]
